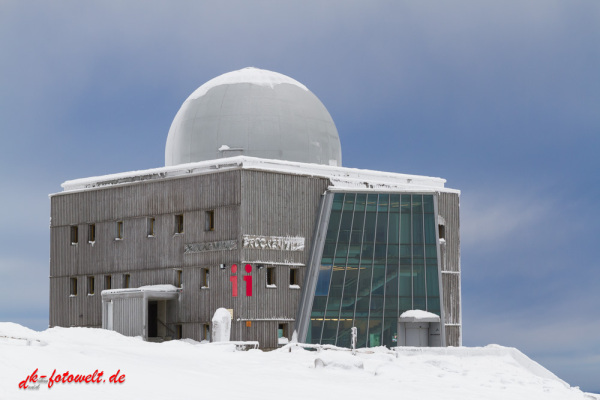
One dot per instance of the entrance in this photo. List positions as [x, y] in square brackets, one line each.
[152, 319]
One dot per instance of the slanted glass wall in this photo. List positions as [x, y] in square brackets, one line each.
[379, 260]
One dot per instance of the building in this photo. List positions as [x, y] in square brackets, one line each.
[254, 213]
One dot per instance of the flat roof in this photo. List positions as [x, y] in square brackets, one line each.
[342, 178]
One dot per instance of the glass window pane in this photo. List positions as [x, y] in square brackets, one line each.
[405, 229]
[361, 325]
[378, 279]
[372, 202]
[323, 280]
[319, 305]
[349, 202]
[382, 227]
[417, 204]
[374, 332]
[430, 229]
[383, 204]
[395, 203]
[417, 228]
[369, 236]
[394, 228]
[344, 333]
[346, 224]
[315, 331]
[428, 203]
[338, 200]
[390, 335]
[361, 200]
[405, 204]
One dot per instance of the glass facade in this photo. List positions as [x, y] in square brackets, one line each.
[379, 260]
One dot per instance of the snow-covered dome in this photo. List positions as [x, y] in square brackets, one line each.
[257, 113]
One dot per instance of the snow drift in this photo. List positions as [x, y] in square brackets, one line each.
[186, 369]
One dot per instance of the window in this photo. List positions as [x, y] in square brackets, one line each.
[91, 233]
[150, 225]
[206, 332]
[293, 276]
[107, 282]
[73, 286]
[210, 221]
[119, 230]
[179, 278]
[90, 288]
[204, 274]
[179, 224]
[178, 331]
[442, 232]
[74, 234]
[126, 280]
[270, 276]
[282, 331]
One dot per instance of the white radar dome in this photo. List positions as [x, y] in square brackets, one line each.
[257, 113]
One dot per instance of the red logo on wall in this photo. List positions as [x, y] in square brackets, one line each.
[247, 278]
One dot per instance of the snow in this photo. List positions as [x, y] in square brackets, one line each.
[419, 315]
[221, 325]
[148, 288]
[342, 178]
[255, 76]
[185, 368]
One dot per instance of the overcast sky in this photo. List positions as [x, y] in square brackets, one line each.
[500, 98]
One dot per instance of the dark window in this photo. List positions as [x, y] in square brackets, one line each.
[270, 276]
[151, 226]
[91, 283]
[91, 233]
[119, 230]
[179, 278]
[126, 280]
[73, 286]
[293, 276]
[74, 234]
[206, 332]
[282, 331]
[178, 331]
[210, 221]
[442, 231]
[179, 223]
[107, 282]
[204, 278]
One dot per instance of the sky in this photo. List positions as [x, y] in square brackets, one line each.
[502, 99]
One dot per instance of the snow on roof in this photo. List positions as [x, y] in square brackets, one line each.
[148, 288]
[256, 76]
[342, 178]
[419, 315]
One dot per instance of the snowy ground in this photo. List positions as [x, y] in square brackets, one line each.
[188, 369]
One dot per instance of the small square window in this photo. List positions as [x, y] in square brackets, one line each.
[293, 276]
[204, 278]
[126, 280]
[209, 220]
[179, 224]
[73, 286]
[119, 230]
[91, 284]
[91, 233]
[271, 276]
[150, 226]
[74, 234]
